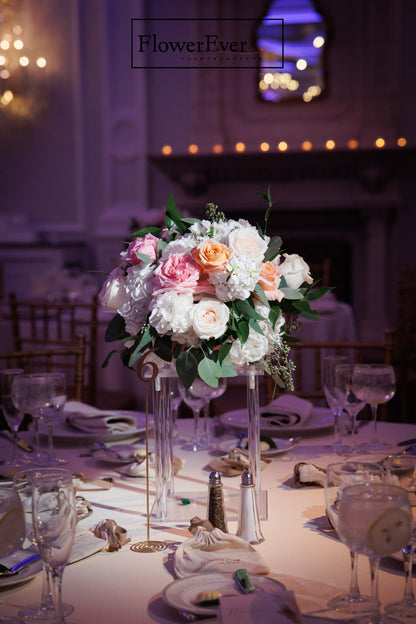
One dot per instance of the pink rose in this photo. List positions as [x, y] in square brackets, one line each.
[177, 272]
[146, 245]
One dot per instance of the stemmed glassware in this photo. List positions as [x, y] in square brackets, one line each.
[374, 384]
[12, 531]
[196, 397]
[352, 404]
[401, 470]
[374, 519]
[334, 398]
[54, 521]
[338, 476]
[12, 414]
[52, 409]
[23, 485]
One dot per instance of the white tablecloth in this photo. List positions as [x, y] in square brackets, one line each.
[126, 587]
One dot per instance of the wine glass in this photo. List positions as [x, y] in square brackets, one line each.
[54, 521]
[401, 470]
[52, 410]
[196, 397]
[374, 384]
[334, 398]
[338, 476]
[375, 520]
[12, 414]
[31, 393]
[12, 531]
[352, 404]
[22, 483]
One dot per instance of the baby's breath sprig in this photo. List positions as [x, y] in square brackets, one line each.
[213, 214]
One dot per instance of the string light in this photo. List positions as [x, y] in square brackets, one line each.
[352, 144]
[401, 142]
[240, 147]
[282, 146]
[166, 150]
[217, 149]
[193, 149]
[380, 142]
[306, 146]
[264, 146]
[330, 144]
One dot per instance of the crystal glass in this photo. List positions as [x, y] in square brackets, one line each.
[12, 532]
[338, 476]
[31, 393]
[374, 520]
[54, 521]
[334, 398]
[12, 414]
[352, 404]
[22, 482]
[52, 410]
[175, 401]
[196, 397]
[401, 470]
[374, 384]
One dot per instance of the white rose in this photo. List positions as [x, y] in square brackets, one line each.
[247, 243]
[113, 293]
[295, 270]
[209, 318]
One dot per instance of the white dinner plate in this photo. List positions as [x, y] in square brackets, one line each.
[25, 574]
[182, 593]
[320, 419]
[63, 431]
[282, 446]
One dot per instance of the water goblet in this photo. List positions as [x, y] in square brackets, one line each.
[196, 397]
[22, 483]
[352, 404]
[401, 470]
[338, 476]
[31, 393]
[374, 519]
[334, 398]
[54, 521]
[12, 532]
[52, 410]
[374, 384]
[12, 414]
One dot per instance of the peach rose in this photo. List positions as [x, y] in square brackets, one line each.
[269, 280]
[211, 255]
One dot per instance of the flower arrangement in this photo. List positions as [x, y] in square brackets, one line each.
[209, 296]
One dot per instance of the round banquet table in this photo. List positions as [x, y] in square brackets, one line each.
[126, 586]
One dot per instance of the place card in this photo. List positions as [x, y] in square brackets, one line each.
[261, 606]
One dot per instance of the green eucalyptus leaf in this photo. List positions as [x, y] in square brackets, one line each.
[116, 329]
[317, 293]
[151, 229]
[146, 338]
[291, 293]
[243, 330]
[305, 309]
[173, 217]
[273, 248]
[274, 316]
[108, 357]
[246, 309]
[261, 295]
[224, 351]
[254, 324]
[187, 368]
[228, 370]
[209, 372]
[163, 347]
[144, 258]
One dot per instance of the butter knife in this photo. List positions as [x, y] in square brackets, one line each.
[25, 446]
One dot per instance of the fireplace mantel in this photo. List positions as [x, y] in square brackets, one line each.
[372, 168]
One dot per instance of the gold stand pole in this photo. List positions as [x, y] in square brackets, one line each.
[147, 546]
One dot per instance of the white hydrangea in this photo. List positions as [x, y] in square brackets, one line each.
[255, 348]
[135, 308]
[218, 231]
[185, 244]
[171, 313]
[238, 280]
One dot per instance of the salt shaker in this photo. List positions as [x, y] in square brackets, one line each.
[248, 519]
[215, 506]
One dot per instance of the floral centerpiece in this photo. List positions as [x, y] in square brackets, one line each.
[208, 296]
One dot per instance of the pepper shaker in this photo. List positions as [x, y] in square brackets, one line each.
[248, 519]
[215, 506]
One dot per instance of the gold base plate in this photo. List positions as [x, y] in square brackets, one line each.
[147, 547]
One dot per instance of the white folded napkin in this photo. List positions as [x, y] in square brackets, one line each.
[216, 551]
[92, 420]
[287, 410]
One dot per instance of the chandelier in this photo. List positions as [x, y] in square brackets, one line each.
[21, 70]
